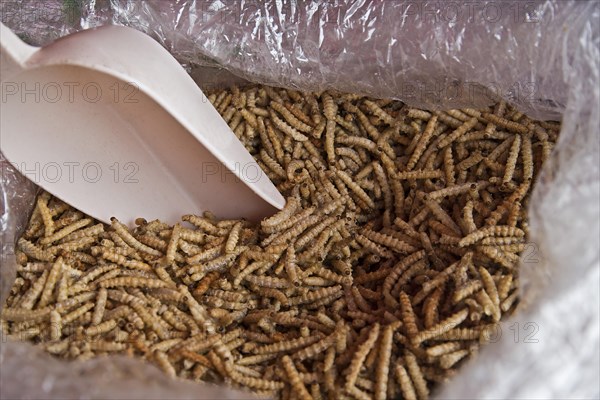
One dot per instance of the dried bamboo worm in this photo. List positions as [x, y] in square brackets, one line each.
[293, 231]
[416, 375]
[50, 283]
[287, 129]
[496, 230]
[220, 263]
[390, 242]
[360, 355]
[373, 247]
[34, 251]
[355, 188]
[441, 214]
[422, 143]
[379, 112]
[202, 224]
[290, 118]
[312, 296]
[100, 306]
[465, 291]
[511, 162]
[65, 231]
[123, 232]
[77, 313]
[272, 164]
[448, 360]
[313, 232]
[527, 157]
[290, 208]
[458, 132]
[506, 124]
[198, 312]
[316, 348]
[132, 282]
[23, 314]
[101, 328]
[294, 379]
[383, 365]
[115, 257]
[163, 362]
[440, 279]
[357, 141]
[395, 273]
[329, 107]
[285, 346]
[43, 211]
[251, 382]
[418, 174]
[32, 295]
[405, 383]
[441, 328]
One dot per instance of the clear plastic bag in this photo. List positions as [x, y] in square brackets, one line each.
[542, 56]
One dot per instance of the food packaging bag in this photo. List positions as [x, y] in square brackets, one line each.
[542, 56]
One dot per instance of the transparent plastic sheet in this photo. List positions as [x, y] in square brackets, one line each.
[428, 54]
[542, 56]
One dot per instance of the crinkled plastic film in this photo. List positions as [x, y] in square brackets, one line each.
[542, 56]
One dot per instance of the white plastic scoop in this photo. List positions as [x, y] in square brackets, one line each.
[108, 121]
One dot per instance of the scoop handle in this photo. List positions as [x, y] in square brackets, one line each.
[13, 53]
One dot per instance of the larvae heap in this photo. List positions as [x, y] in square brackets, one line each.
[393, 260]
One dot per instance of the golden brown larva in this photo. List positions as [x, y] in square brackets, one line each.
[123, 232]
